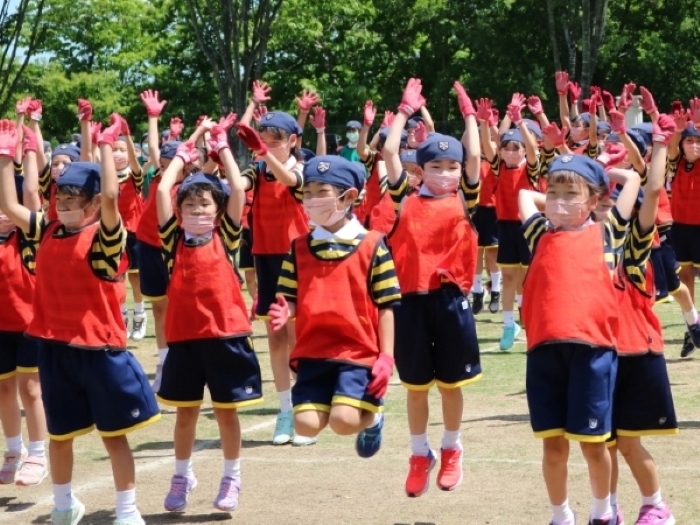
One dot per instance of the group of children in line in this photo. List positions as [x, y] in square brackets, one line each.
[357, 263]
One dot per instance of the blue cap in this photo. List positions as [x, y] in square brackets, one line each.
[205, 178]
[584, 166]
[85, 175]
[616, 193]
[644, 130]
[413, 122]
[47, 145]
[335, 170]
[306, 154]
[281, 120]
[168, 149]
[586, 117]
[690, 131]
[512, 135]
[163, 134]
[409, 156]
[602, 127]
[534, 127]
[440, 147]
[70, 151]
[384, 134]
[634, 136]
[353, 124]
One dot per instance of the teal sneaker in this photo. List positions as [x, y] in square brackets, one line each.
[133, 519]
[284, 428]
[71, 516]
[369, 440]
[508, 337]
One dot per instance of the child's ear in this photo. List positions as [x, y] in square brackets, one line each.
[417, 171]
[293, 141]
[351, 195]
[96, 202]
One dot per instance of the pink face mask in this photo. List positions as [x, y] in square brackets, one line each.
[691, 151]
[441, 183]
[562, 213]
[121, 160]
[73, 219]
[511, 158]
[324, 210]
[198, 224]
[579, 134]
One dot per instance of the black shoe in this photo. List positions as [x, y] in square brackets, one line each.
[477, 302]
[688, 346]
[495, 302]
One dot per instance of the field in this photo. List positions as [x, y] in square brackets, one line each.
[329, 484]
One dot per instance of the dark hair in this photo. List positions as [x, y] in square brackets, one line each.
[569, 177]
[198, 189]
[282, 134]
[578, 118]
[75, 191]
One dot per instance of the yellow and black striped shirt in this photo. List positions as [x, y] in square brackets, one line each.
[252, 172]
[401, 190]
[124, 175]
[636, 252]
[27, 247]
[546, 158]
[45, 181]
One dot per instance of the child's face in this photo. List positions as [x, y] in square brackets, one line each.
[319, 190]
[58, 162]
[278, 147]
[691, 148]
[579, 131]
[121, 157]
[512, 153]
[445, 166]
[202, 204]
[569, 204]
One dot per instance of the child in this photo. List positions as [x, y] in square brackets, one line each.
[19, 372]
[434, 246]
[339, 282]
[571, 360]
[207, 325]
[88, 379]
[352, 133]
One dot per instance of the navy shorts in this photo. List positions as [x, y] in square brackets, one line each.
[665, 266]
[228, 367]
[643, 403]
[132, 252]
[570, 391]
[17, 354]
[83, 389]
[485, 223]
[435, 340]
[267, 273]
[245, 255]
[512, 246]
[153, 272]
[686, 243]
[321, 384]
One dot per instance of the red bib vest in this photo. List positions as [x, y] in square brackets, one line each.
[686, 194]
[53, 214]
[510, 182]
[487, 193]
[383, 215]
[664, 215]
[17, 288]
[130, 204]
[373, 193]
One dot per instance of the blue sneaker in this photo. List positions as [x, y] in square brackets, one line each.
[508, 337]
[284, 428]
[369, 440]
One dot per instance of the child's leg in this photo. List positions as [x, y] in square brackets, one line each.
[346, 420]
[230, 432]
[122, 460]
[135, 282]
[687, 275]
[309, 423]
[250, 283]
[278, 343]
[640, 463]
[418, 413]
[491, 266]
[10, 415]
[452, 409]
[599, 468]
[555, 458]
[185, 432]
[61, 461]
[509, 284]
[614, 476]
[30, 393]
[160, 308]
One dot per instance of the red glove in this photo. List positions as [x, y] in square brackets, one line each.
[318, 119]
[534, 104]
[259, 113]
[188, 152]
[681, 118]
[586, 105]
[648, 104]
[515, 113]
[388, 119]
[251, 139]
[608, 101]
[463, 101]
[555, 135]
[227, 122]
[22, 105]
[421, 133]
[279, 313]
[663, 129]
[200, 119]
[381, 375]
[84, 110]
[154, 107]
[369, 113]
[493, 121]
[617, 122]
[218, 140]
[95, 128]
[109, 135]
[260, 91]
[677, 105]
[483, 109]
[614, 154]
[595, 90]
[29, 142]
[412, 99]
[124, 127]
[8, 138]
[627, 96]
[307, 100]
[595, 101]
[561, 80]
[694, 111]
[176, 127]
[35, 109]
[574, 92]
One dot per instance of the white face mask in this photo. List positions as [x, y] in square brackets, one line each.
[441, 182]
[562, 213]
[121, 160]
[691, 151]
[198, 224]
[324, 210]
[579, 134]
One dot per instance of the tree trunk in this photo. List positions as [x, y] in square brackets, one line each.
[586, 71]
[553, 35]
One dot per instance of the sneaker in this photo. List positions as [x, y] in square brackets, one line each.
[227, 499]
[606, 521]
[450, 475]
[301, 441]
[158, 379]
[125, 317]
[651, 515]
[133, 519]
[477, 302]
[284, 428]
[567, 523]
[418, 478]
[369, 440]
[688, 346]
[495, 302]
[71, 516]
[694, 332]
[180, 488]
[617, 512]
[32, 472]
[140, 323]
[11, 466]
[254, 307]
[508, 337]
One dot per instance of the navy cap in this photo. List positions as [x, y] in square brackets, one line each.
[584, 166]
[281, 120]
[513, 135]
[144, 136]
[634, 136]
[413, 122]
[47, 145]
[602, 127]
[163, 134]
[534, 127]
[353, 124]
[168, 149]
[616, 193]
[644, 130]
[85, 175]
[586, 117]
[409, 156]
[70, 151]
[384, 134]
[306, 154]
[205, 178]
[335, 170]
[440, 147]
[690, 131]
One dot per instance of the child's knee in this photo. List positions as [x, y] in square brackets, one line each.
[555, 450]
[29, 387]
[8, 388]
[450, 393]
[594, 451]
[309, 423]
[187, 416]
[628, 446]
[345, 420]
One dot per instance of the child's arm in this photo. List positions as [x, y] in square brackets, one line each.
[484, 115]
[154, 108]
[9, 204]
[35, 111]
[534, 104]
[218, 142]
[369, 114]
[391, 149]
[318, 119]
[561, 80]
[593, 127]
[84, 116]
[530, 203]
[260, 96]
[514, 112]
[186, 154]
[130, 149]
[307, 100]
[109, 184]
[662, 131]
[252, 140]
[470, 139]
[630, 182]
[30, 185]
[427, 119]
[21, 109]
[617, 125]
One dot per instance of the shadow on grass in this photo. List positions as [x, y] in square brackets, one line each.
[506, 418]
[7, 506]
[417, 523]
[677, 360]
[178, 517]
[521, 393]
[689, 424]
[260, 411]
[97, 517]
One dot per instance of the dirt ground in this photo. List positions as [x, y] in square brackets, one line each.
[328, 484]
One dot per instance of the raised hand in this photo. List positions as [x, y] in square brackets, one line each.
[318, 119]
[176, 127]
[35, 110]
[648, 104]
[260, 91]
[627, 96]
[534, 104]
[515, 113]
[188, 152]
[681, 118]
[22, 105]
[561, 80]
[218, 139]
[483, 109]
[8, 138]
[84, 110]
[306, 101]
[663, 129]
[574, 92]
[388, 119]
[493, 121]
[109, 135]
[608, 101]
[259, 113]
[694, 111]
[617, 122]
[421, 133]
[555, 135]
[369, 113]
[154, 107]
[412, 100]
[29, 143]
[227, 122]
[95, 129]
[466, 107]
[251, 139]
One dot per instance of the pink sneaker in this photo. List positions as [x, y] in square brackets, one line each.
[180, 488]
[227, 499]
[650, 515]
[11, 466]
[32, 472]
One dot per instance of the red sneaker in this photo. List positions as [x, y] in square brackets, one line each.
[450, 475]
[419, 474]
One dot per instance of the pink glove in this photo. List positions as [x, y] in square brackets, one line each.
[124, 127]
[608, 101]
[369, 113]
[8, 138]
[35, 109]
[84, 110]
[694, 112]
[561, 80]
[518, 99]
[421, 133]
[614, 154]
[218, 139]
[259, 113]
[412, 99]
[227, 122]
[681, 118]
[279, 313]
[109, 135]
[466, 107]
[95, 128]
[307, 100]
[493, 121]
[176, 127]
[154, 107]
[251, 139]
[574, 92]
[534, 104]
[260, 91]
[627, 96]
[22, 105]
[595, 90]
[595, 101]
[515, 113]
[677, 105]
[617, 122]
[381, 375]
[200, 119]
[663, 129]
[188, 152]
[586, 105]
[29, 143]
[648, 104]
[555, 135]
[388, 119]
[318, 119]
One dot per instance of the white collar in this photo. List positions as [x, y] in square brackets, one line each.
[348, 232]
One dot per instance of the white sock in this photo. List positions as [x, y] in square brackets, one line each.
[562, 513]
[420, 445]
[477, 286]
[450, 439]
[600, 508]
[508, 319]
[613, 499]
[126, 504]
[62, 496]
[125, 310]
[691, 317]
[285, 400]
[496, 282]
[183, 467]
[14, 444]
[162, 354]
[519, 298]
[139, 308]
[37, 449]
[377, 419]
[654, 500]
[232, 468]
